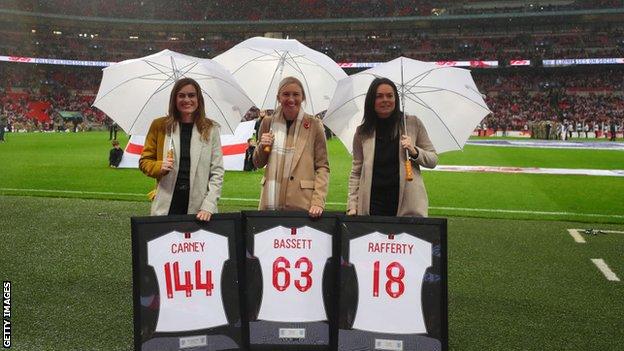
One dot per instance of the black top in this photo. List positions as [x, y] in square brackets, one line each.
[114, 157]
[248, 162]
[385, 184]
[186, 130]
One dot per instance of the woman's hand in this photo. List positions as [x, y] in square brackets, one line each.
[406, 143]
[315, 211]
[351, 212]
[204, 215]
[167, 166]
[266, 139]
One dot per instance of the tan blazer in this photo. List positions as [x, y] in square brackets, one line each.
[206, 173]
[413, 199]
[309, 179]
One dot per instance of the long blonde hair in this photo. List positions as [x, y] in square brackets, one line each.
[204, 125]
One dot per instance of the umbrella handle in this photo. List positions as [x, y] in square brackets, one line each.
[170, 151]
[267, 148]
[409, 173]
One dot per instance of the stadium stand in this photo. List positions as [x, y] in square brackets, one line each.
[236, 10]
[33, 95]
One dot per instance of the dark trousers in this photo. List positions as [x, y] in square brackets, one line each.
[112, 133]
[180, 200]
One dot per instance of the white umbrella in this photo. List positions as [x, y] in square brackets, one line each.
[135, 92]
[259, 64]
[445, 99]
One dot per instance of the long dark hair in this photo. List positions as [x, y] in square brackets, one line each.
[370, 116]
[199, 116]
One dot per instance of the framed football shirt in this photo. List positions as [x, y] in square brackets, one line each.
[186, 291]
[393, 286]
[290, 280]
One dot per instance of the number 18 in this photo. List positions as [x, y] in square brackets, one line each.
[392, 279]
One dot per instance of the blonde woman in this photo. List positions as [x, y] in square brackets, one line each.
[293, 148]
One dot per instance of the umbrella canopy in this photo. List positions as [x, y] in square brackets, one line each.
[135, 92]
[259, 64]
[445, 99]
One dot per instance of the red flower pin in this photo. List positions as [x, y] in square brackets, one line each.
[306, 124]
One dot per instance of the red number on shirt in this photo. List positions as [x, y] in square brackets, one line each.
[392, 279]
[281, 266]
[168, 282]
[187, 287]
[173, 283]
[277, 270]
[304, 274]
[376, 279]
[208, 286]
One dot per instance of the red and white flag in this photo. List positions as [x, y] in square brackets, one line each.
[232, 145]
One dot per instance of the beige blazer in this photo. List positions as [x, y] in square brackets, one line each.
[309, 171]
[413, 199]
[206, 173]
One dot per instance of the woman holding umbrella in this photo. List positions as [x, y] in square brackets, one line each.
[183, 153]
[386, 140]
[293, 147]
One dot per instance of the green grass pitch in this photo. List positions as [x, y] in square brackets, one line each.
[517, 279]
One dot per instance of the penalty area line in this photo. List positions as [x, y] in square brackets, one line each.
[605, 270]
[574, 233]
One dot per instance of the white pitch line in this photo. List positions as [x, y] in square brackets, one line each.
[242, 199]
[523, 212]
[442, 208]
[602, 266]
[72, 192]
[529, 170]
[576, 236]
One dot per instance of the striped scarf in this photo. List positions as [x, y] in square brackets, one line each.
[280, 160]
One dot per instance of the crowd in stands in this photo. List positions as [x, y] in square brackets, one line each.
[32, 97]
[517, 99]
[352, 47]
[521, 99]
[200, 10]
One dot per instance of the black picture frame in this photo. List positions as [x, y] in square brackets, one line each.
[262, 333]
[434, 297]
[145, 287]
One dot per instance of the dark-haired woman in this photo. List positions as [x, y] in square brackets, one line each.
[183, 153]
[377, 185]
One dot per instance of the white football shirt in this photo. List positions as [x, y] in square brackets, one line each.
[389, 274]
[188, 267]
[292, 262]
